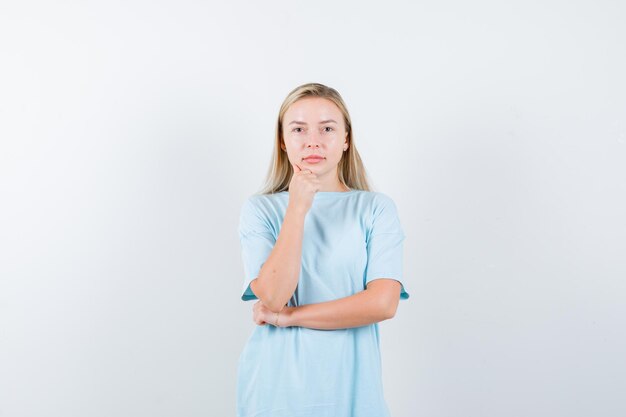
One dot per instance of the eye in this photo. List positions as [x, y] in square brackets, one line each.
[295, 128]
[328, 127]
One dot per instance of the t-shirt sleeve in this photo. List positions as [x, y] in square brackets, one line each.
[257, 241]
[385, 245]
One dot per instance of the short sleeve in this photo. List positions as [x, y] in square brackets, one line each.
[385, 244]
[257, 241]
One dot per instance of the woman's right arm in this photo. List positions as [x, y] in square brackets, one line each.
[278, 277]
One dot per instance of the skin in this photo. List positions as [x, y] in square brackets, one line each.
[306, 131]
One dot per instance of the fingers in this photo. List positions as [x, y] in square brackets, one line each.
[306, 171]
[256, 315]
[296, 169]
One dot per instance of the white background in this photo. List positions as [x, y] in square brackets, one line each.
[131, 133]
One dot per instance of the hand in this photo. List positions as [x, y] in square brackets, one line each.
[261, 315]
[302, 188]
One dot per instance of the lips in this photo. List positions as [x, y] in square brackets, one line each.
[314, 158]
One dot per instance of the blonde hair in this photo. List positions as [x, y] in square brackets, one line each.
[350, 169]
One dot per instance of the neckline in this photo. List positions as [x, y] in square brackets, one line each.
[328, 193]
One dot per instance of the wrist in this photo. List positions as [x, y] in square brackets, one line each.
[294, 210]
[285, 318]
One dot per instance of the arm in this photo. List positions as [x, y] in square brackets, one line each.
[376, 303]
[279, 275]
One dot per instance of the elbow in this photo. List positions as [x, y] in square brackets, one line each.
[382, 307]
[387, 314]
[385, 294]
[272, 305]
[389, 310]
[269, 302]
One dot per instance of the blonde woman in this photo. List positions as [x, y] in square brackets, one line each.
[322, 254]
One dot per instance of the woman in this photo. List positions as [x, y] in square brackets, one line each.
[322, 254]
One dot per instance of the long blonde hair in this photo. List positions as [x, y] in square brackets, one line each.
[350, 168]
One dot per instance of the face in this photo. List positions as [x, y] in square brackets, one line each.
[315, 126]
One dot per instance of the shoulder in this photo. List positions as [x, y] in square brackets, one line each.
[258, 214]
[383, 215]
[260, 201]
[376, 208]
[378, 201]
[383, 209]
[381, 198]
[261, 207]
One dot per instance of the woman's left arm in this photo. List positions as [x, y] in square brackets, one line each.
[376, 303]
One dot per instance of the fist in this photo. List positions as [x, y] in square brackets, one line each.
[302, 188]
[261, 315]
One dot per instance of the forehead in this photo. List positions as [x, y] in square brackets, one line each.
[313, 109]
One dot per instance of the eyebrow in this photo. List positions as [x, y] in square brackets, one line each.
[303, 123]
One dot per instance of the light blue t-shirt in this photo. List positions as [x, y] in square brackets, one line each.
[350, 238]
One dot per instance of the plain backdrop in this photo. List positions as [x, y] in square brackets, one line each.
[132, 131]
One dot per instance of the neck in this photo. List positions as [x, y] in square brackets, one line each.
[338, 188]
[334, 186]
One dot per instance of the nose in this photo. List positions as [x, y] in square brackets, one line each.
[313, 141]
